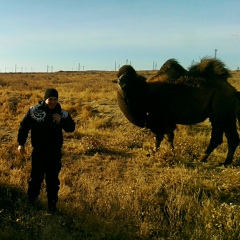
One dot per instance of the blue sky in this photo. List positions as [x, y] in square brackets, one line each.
[97, 34]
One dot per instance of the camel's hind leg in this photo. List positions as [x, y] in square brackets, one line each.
[216, 140]
[233, 141]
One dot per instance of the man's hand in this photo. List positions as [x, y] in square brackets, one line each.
[21, 149]
[56, 117]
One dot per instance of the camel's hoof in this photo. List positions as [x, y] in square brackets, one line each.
[224, 164]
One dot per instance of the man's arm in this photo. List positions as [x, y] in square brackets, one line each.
[24, 128]
[67, 122]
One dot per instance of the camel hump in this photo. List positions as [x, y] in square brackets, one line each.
[172, 68]
[170, 71]
[211, 69]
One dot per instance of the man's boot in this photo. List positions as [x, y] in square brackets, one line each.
[52, 206]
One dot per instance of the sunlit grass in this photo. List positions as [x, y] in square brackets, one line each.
[112, 184]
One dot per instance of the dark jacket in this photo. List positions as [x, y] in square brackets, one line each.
[45, 132]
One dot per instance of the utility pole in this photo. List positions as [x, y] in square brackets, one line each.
[215, 53]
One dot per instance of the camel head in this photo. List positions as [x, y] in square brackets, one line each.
[126, 76]
[129, 80]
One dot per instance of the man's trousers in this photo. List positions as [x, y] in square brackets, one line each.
[46, 163]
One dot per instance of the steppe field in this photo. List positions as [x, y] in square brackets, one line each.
[112, 186]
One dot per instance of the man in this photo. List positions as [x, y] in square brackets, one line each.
[46, 121]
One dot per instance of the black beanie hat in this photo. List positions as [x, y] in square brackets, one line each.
[51, 92]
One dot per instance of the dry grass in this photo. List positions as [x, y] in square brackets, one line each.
[112, 186]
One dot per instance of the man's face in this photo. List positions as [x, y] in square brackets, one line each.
[51, 102]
